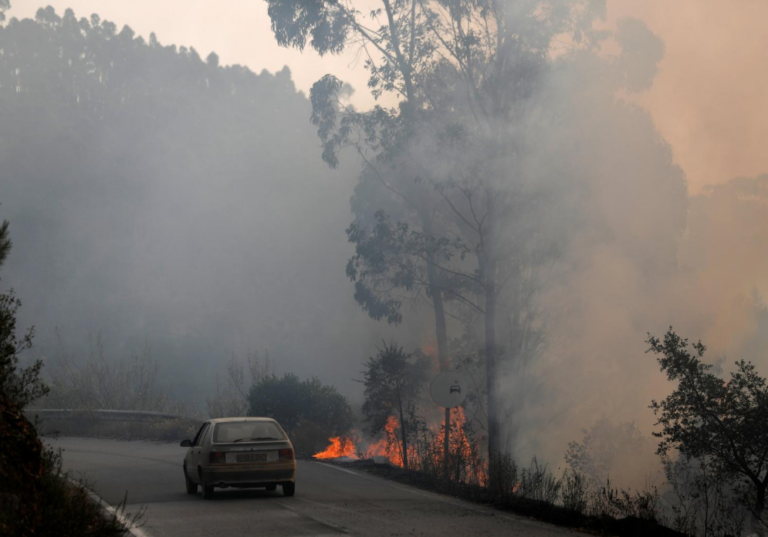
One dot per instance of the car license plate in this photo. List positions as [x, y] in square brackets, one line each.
[257, 456]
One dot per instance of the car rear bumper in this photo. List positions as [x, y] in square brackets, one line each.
[249, 475]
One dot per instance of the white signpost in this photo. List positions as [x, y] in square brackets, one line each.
[448, 389]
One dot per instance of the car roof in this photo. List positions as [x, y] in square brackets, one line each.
[244, 418]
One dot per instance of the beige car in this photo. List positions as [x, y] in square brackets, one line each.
[239, 452]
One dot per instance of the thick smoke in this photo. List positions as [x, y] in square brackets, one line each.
[156, 197]
[639, 255]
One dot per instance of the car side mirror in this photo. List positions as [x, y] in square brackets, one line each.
[186, 443]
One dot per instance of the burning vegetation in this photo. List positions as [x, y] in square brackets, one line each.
[340, 447]
[405, 428]
[426, 452]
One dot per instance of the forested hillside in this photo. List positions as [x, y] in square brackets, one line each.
[157, 197]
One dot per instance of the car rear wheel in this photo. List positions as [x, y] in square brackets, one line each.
[207, 489]
[289, 489]
[191, 486]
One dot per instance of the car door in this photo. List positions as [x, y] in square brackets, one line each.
[193, 454]
[205, 445]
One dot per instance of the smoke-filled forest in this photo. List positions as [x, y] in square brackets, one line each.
[171, 202]
[193, 237]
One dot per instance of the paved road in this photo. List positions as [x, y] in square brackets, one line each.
[329, 500]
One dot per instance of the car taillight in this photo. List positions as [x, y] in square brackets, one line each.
[285, 454]
[216, 457]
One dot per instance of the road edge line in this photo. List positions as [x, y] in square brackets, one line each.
[127, 524]
[451, 500]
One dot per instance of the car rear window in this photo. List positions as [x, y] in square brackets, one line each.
[246, 431]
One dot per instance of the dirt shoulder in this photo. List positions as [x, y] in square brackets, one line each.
[526, 507]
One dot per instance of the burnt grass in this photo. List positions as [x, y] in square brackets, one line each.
[526, 507]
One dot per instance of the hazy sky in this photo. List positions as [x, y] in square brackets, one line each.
[708, 101]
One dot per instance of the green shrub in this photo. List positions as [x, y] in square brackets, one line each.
[308, 410]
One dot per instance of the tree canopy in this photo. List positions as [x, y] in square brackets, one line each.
[708, 417]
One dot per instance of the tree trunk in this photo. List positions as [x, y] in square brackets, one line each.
[494, 445]
[441, 334]
[403, 436]
[441, 331]
[488, 275]
[759, 524]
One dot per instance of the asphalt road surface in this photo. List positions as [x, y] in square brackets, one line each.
[329, 500]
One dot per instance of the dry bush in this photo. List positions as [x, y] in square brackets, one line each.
[703, 501]
[506, 476]
[103, 383]
[100, 382]
[68, 509]
[574, 491]
[537, 482]
[620, 503]
[232, 400]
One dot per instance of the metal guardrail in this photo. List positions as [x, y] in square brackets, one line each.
[104, 415]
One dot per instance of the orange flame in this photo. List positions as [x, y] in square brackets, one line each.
[389, 446]
[464, 461]
[341, 446]
[460, 447]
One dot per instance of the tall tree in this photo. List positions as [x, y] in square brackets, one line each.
[488, 54]
[393, 383]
